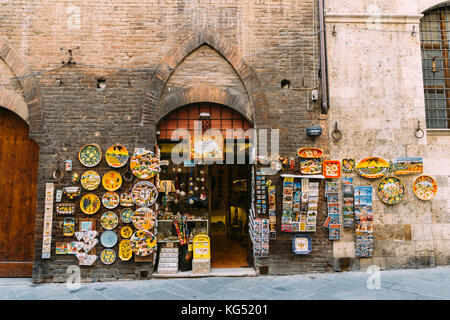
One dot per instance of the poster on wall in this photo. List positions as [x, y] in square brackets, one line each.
[409, 165]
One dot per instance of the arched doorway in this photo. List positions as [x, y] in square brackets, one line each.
[217, 193]
[18, 186]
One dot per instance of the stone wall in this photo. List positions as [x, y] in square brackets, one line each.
[377, 99]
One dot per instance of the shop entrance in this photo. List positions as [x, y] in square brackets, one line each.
[18, 184]
[214, 194]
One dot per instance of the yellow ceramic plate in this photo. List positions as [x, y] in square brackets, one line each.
[112, 181]
[90, 180]
[125, 252]
[117, 156]
[90, 203]
[126, 232]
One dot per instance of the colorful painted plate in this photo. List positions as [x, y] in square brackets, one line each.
[117, 156]
[332, 169]
[391, 190]
[108, 239]
[110, 199]
[143, 243]
[425, 187]
[108, 256]
[410, 165]
[144, 164]
[348, 165]
[90, 203]
[112, 180]
[126, 232]
[310, 153]
[90, 155]
[144, 218]
[144, 194]
[372, 167]
[126, 200]
[311, 166]
[90, 180]
[126, 215]
[125, 251]
[109, 220]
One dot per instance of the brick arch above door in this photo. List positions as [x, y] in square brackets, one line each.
[258, 101]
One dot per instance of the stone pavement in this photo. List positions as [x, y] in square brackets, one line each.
[422, 284]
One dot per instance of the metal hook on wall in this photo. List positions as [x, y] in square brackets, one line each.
[334, 33]
[419, 133]
[336, 134]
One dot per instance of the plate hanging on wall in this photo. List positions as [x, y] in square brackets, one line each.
[144, 218]
[311, 166]
[125, 251]
[90, 180]
[90, 155]
[310, 153]
[110, 199]
[112, 180]
[391, 190]
[126, 215]
[145, 164]
[372, 167]
[108, 256]
[425, 187]
[126, 232]
[332, 169]
[117, 156]
[108, 239]
[126, 200]
[143, 243]
[109, 220]
[90, 203]
[144, 194]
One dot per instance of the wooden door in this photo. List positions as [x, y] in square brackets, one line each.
[18, 186]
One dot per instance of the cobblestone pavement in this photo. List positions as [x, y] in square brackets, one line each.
[422, 284]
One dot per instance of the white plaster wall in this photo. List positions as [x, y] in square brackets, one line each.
[377, 99]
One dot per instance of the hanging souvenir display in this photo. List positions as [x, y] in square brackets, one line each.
[125, 251]
[332, 169]
[68, 165]
[108, 239]
[110, 199]
[62, 248]
[109, 220]
[112, 180]
[72, 192]
[410, 165]
[90, 203]
[59, 194]
[313, 202]
[143, 243]
[74, 177]
[65, 208]
[310, 153]
[333, 221]
[90, 180]
[261, 205]
[331, 187]
[348, 202]
[86, 259]
[126, 232]
[272, 212]
[348, 165]
[259, 234]
[108, 256]
[363, 221]
[425, 187]
[89, 244]
[126, 200]
[90, 155]
[372, 167]
[391, 190]
[144, 218]
[144, 194]
[116, 156]
[68, 226]
[144, 164]
[311, 166]
[86, 225]
[126, 215]
[301, 244]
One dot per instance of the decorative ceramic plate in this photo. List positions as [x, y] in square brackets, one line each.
[144, 194]
[109, 220]
[90, 155]
[144, 164]
[112, 180]
[391, 190]
[117, 156]
[108, 239]
[65, 208]
[144, 218]
[108, 256]
[72, 192]
[425, 187]
[372, 167]
[311, 166]
[110, 199]
[348, 165]
[143, 243]
[126, 200]
[126, 215]
[90, 203]
[126, 232]
[310, 153]
[332, 169]
[410, 165]
[90, 180]
[125, 251]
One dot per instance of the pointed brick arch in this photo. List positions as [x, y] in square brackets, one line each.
[258, 101]
[30, 86]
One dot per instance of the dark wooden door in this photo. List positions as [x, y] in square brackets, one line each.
[18, 183]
